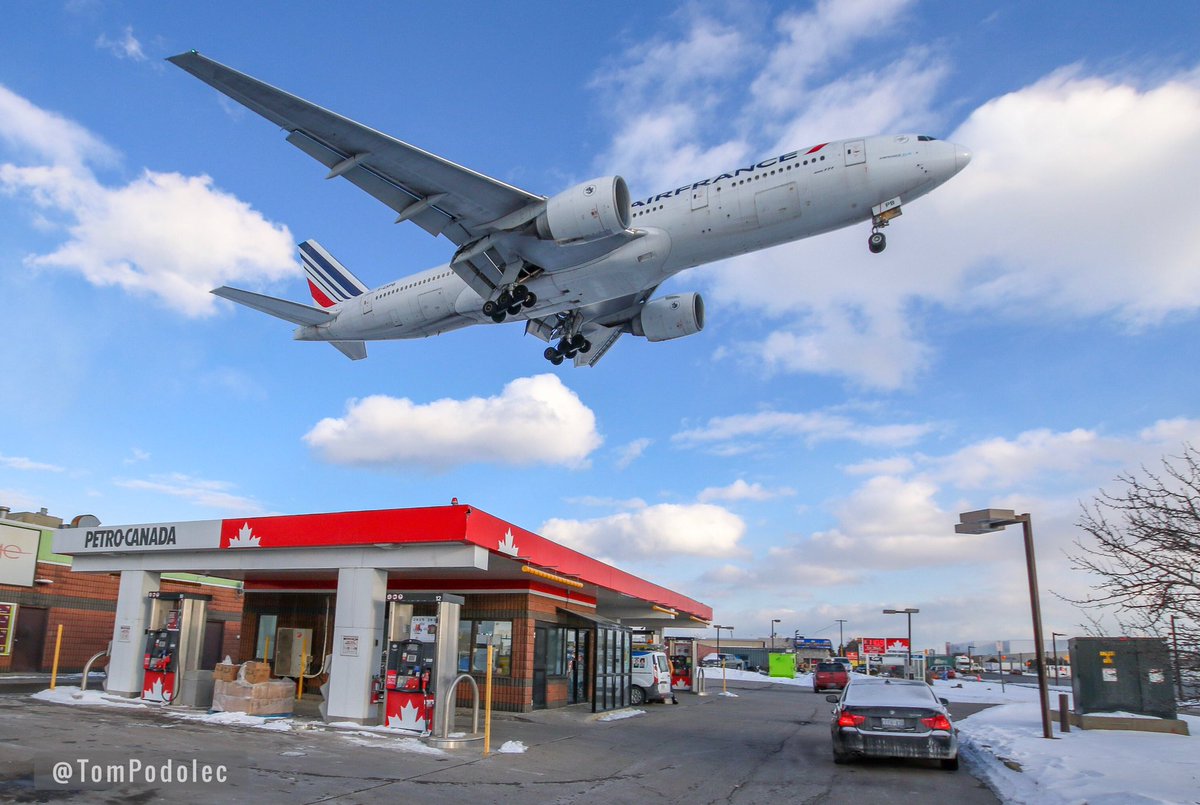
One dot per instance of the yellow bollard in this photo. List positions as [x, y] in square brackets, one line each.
[267, 650]
[487, 704]
[54, 670]
[303, 663]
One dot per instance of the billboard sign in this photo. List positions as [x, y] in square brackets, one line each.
[884, 645]
[18, 555]
[813, 644]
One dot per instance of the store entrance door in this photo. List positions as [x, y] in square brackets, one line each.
[577, 665]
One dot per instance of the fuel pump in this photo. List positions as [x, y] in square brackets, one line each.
[418, 656]
[681, 650]
[173, 643]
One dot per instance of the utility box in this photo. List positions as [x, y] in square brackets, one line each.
[1122, 674]
[290, 647]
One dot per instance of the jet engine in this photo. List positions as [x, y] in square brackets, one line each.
[670, 317]
[593, 209]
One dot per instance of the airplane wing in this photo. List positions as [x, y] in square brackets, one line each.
[439, 196]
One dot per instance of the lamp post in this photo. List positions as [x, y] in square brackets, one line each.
[841, 638]
[773, 622]
[1054, 646]
[910, 611]
[970, 659]
[986, 521]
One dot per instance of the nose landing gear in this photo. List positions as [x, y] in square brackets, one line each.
[881, 216]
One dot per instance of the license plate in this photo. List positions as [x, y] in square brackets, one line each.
[891, 723]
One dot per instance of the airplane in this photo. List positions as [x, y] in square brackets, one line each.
[580, 268]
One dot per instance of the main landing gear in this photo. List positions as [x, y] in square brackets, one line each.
[568, 347]
[509, 303]
[877, 242]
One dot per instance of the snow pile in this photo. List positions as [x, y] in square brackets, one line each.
[1004, 747]
[513, 748]
[233, 718]
[73, 695]
[387, 740]
[620, 714]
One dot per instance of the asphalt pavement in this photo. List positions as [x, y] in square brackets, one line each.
[769, 743]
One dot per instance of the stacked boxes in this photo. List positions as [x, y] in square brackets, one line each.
[250, 689]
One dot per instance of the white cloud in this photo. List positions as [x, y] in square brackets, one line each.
[137, 455]
[654, 532]
[197, 491]
[632, 452]
[125, 47]
[201, 237]
[740, 490]
[534, 420]
[25, 464]
[812, 427]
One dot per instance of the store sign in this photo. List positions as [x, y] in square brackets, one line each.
[147, 538]
[8, 625]
[814, 643]
[18, 555]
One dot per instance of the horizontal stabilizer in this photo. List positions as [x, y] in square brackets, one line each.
[354, 350]
[294, 312]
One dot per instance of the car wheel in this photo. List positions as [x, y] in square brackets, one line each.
[841, 757]
[950, 764]
[637, 696]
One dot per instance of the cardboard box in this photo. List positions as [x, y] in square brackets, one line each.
[225, 672]
[274, 697]
[253, 672]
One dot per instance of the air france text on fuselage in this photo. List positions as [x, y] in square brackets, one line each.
[130, 537]
[766, 163]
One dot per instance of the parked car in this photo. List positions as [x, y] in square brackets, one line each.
[892, 718]
[651, 681]
[714, 660]
[844, 661]
[830, 676]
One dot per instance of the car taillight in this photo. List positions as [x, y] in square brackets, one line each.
[850, 719]
[938, 722]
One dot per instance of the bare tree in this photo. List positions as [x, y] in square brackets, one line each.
[1143, 544]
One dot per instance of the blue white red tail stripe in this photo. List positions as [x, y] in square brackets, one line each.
[328, 280]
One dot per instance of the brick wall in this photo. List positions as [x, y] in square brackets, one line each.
[85, 605]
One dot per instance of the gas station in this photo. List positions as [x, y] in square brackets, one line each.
[384, 611]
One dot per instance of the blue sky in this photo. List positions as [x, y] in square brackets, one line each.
[1028, 335]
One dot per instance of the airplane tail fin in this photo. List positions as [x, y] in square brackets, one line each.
[329, 281]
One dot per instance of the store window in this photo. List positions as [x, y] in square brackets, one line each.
[473, 637]
[266, 636]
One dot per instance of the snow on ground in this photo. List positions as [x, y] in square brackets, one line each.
[278, 724]
[73, 695]
[512, 747]
[620, 714]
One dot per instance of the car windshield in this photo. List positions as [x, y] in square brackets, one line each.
[900, 692]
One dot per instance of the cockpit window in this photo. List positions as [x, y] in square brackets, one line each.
[924, 138]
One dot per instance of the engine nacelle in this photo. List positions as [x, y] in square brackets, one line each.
[670, 317]
[590, 210]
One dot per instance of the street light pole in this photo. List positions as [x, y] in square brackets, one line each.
[1054, 645]
[909, 611]
[773, 622]
[841, 638]
[986, 521]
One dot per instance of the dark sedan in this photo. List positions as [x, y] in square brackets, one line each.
[892, 718]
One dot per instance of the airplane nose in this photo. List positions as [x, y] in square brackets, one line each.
[961, 158]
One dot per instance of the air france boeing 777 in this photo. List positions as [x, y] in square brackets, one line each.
[580, 267]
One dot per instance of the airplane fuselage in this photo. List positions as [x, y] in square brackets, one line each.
[780, 199]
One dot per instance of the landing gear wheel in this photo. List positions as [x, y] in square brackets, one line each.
[637, 696]
[514, 309]
[489, 308]
[557, 359]
[504, 299]
[577, 341]
[877, 242]
[530, 299]
[551, 353]
[499, 316]
[586, 347]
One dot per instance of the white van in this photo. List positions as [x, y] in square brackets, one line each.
[651, 678]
